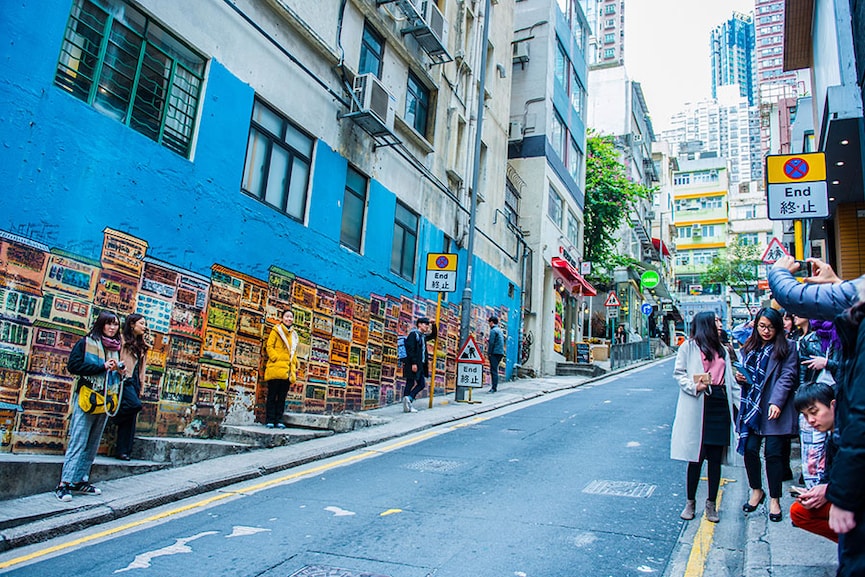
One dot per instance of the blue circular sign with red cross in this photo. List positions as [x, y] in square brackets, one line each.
[796, 168]
[442, 261]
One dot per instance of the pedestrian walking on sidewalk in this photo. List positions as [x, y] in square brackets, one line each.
[132, 354]
[703, 426]
[769, 376]
[415, 366]
[495, 351]
[95, 359]
[281, 368]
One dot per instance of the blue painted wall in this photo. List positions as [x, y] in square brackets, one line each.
[69, 172]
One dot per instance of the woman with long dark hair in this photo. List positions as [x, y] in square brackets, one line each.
[703, 427]
[767, 411]
[133, 355]
[96, 361]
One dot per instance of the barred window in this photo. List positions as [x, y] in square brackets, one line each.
[126, 66]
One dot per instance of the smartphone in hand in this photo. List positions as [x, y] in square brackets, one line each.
[796, 491]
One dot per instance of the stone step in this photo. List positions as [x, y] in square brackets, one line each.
[22, 475]
[178, 451]
[259, 437]
[572, 369]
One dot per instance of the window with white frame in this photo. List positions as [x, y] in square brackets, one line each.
[712, 202]
[128, 67]
[683, 231]
[556, 207]
[573, 231]
[402, 256]
[353, 210]
[278, 159]
[557, 135]
[749, 238]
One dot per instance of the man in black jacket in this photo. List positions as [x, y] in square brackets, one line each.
[415, 366]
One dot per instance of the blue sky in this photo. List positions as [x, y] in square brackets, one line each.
[667, 49]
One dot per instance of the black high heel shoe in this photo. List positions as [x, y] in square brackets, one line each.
[749, 508]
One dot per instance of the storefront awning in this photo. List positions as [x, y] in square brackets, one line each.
[582, 286]
[661, 246]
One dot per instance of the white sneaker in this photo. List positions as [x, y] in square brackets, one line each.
[411, 409]
[406, 405]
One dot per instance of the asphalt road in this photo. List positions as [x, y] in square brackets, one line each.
[578, 485]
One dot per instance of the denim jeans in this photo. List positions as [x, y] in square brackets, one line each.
[85, 433]
[495, 361]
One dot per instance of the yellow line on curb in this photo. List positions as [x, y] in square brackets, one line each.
[247, 490]
[703, 540]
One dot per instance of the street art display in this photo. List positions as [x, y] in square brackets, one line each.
[209, 332]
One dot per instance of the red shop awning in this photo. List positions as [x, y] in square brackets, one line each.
[661, 246]
[581, 285]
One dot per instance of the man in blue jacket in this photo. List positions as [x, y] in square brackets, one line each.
[495, 351]
[824, 295]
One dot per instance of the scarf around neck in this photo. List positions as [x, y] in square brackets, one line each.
[756, 363]
[111, 344]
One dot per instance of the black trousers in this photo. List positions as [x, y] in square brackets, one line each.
[125, 434]
[277, 390]
[774, 456]
[714, 454]
[414, 382]
[851, 550]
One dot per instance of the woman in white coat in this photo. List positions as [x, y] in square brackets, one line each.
[703, 428]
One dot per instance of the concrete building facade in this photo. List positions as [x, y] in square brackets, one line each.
[547, 149]
[210, 166]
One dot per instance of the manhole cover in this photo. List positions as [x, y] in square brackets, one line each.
[322, 571]
[434, 466]
[620, 489]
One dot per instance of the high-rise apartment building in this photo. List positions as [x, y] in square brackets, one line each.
[606, 20]
[772, 81]
[732, 46]
[727, 126]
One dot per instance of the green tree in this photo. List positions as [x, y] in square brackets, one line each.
[737, 267]
[610, 196]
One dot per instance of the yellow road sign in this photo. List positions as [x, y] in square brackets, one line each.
[784, 168]
[441, 261]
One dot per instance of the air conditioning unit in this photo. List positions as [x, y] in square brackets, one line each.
[430, 30]
[515, 131]
[696, 231]
[372, 107]
[521, 52]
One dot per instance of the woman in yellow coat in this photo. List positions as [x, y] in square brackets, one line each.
[281, 368]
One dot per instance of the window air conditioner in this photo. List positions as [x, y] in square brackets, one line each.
[431, 30]
[515, 132]
[372, 106]
[696, 231]
[521, 52]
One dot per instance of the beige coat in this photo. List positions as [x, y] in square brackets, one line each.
[687, 435]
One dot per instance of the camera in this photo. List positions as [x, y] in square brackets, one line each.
[121, 366]
[804, 269]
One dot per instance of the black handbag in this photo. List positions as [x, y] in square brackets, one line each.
[130, 403]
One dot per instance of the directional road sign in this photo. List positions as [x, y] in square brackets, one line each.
[646, 309]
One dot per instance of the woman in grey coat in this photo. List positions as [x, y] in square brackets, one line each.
[769, 376]
[703, 427]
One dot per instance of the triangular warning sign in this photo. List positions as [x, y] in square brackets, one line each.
[612, 300]
[774, 251]
[470, 353]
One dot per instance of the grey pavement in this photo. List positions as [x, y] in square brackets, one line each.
[770, 549]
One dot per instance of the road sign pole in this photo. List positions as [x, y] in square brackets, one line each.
[800, 241]
[432, 382]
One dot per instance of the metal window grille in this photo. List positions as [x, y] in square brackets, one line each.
[126, 66]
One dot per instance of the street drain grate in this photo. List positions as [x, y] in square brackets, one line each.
[322, 571]
[434, 466]
[620, 489]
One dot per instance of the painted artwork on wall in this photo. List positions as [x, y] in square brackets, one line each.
[205, 368]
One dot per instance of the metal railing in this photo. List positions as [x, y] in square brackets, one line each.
[629, 353]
